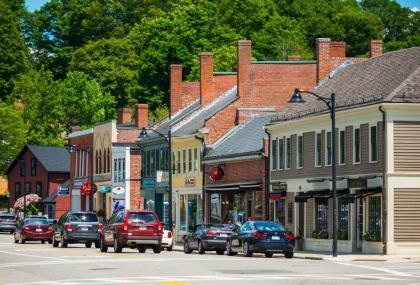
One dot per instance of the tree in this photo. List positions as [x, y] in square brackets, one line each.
[12, 134]
[13, 52]
[114, 64]
[84, 101]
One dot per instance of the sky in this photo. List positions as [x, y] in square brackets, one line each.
[36, 4]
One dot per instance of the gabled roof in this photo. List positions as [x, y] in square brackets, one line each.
[246, 139]
[392, 77]
[198, 118]
[53, 158]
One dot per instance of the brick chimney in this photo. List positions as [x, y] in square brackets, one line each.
[338, 49]
[74, 129]
[244, 66]
[142, 112]
[323, 56]
[293, 57]
[175, 99]
[207, 88]
[375, 48]
[124, 115]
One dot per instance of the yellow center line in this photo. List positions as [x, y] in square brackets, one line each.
[169, 282]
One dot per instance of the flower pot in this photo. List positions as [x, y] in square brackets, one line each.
[372, 247]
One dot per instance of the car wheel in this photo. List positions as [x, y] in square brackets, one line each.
[187, 249]
[50, 241]
[229, 250]
[201, 249]
[157, 249]
[16, 241]
[117, 246]
[247, 251]
[220, 252]
[169, 248]
[97, 244]
[288, 254]
[64, 242]
[269, 254]
[12, 232]
[43, 241]
[142, 249]
[22, 239]
[55, 243]
[88, 244]
[103, 246]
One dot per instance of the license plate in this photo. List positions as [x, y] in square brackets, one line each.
[223, 235]
[84, 229]
[143, 228]
[275, 238]
[38, 230]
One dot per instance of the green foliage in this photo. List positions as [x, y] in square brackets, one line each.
[159, 114]
[320, 234]
[372, 236]
[12, 134]
[13, 52]
[342, 235]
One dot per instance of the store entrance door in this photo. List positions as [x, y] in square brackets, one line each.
[359, 223]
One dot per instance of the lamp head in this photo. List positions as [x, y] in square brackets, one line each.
[297, 97]
[70, 148]
[143, 134]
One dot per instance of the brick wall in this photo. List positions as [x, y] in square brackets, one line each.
[136, 201]
[127, 135]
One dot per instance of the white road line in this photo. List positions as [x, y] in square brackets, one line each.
[31, 255]
[390, 271]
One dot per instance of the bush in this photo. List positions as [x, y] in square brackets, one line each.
[372, 236]
[342, 235]
[320, 234]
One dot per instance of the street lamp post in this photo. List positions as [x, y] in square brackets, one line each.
[168, 137]
[330, 102]
[72, 148]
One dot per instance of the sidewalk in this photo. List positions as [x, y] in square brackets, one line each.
[344, 257]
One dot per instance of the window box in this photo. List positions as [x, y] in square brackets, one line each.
[344, 246]
[372, 247]
[320, 234]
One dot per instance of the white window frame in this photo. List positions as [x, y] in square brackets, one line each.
[316, 149]
[339, 147]
[370, 144]
[354, 145]
[297, 151]
[326, 148]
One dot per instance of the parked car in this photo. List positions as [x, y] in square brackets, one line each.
[33, 230]
[77, 227]
[208, 237]
[7, 223]
[167, 238]
[133, 229]
[262, 237]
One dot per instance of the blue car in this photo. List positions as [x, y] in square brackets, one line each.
[261, 237]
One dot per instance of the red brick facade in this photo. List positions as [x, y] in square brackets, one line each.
[136, 201]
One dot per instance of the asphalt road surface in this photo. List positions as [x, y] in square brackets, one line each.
[35, 264]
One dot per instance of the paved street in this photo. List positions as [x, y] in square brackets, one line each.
[34, 263]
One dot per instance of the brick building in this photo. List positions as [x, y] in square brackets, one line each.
[378, 159]
[41, 170]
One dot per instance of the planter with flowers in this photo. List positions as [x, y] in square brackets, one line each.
[31, 208]
[372, 243]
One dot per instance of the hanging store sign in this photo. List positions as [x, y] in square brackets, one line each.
[356, 183]
[147, 183]
[105, 189]
[63, 190]
[85, 189]
[216, 173]
[190, 181]
[279, 187]
[118, 190]
[162, 176]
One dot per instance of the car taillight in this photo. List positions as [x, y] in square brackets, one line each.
[159, 227]
[50, 229]
[26, 228]
[124, 226]
[289, 236]
[100, 227]
[169, 234]
[259, 235]
[211, 234]
[68, 227]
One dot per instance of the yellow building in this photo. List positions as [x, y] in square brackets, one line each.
[3, 186]
[187, 183]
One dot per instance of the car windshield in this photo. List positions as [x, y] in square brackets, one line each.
[38, 217]
[141, 218]
[7, 217]
[84, 218]
[269, 227]
[36, 222]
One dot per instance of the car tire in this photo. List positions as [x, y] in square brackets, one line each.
[201, 249]
[220, 252]
[22, 239]
[117, 246]
[12, 232]
[288, 254]
[43, 241]
[97, 244]
[187, 249]
[169, 248]
[55, 243]
[103, 246]
[16, 241]
[247, 251]
[269, 254]
[64, 242]
[229, 250]
[88, 244]
[157, 249]
[141, 249]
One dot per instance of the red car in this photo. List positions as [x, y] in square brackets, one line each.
[34, 230]
[133, 229]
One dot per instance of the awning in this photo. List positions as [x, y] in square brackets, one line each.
[233, 189]
[319, 195]
[351, 198]
[277, 195]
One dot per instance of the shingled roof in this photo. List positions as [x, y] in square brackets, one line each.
[245, 139]
[392, 77]
[53, 158]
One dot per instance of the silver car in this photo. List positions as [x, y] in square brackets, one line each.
[7, 223]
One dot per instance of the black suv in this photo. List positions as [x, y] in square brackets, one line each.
[77, 227]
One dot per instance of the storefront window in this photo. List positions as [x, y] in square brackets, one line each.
[190, 211]
[215, 209]
[149, 199]
[290, 213]
[258, 206]
[374, 225]
[343, 219]
[280, 212]
[321, 215]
